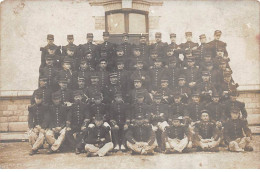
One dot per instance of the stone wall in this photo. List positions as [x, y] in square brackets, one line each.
[14, 113]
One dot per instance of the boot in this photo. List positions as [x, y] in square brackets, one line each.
[77, 151]
[123, 148]
[249, 148]
[32, 152]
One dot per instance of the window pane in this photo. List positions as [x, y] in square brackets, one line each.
[116, 23]
[137, 23]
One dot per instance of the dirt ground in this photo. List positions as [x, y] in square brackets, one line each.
[15, 155]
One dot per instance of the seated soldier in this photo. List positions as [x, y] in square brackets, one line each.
[119, 120]
[46, 92]
[236, 132]
[78, 120]
[176, 137]
[55, 134]
[140, 137]
[140, 107]
[206, 135]
[37, 122]
[98, 140]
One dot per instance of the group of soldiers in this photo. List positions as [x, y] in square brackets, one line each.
[144, 98]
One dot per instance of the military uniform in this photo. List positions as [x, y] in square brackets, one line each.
[215, 44]
[175, 47]
[235, 104]
[100, 110]
[173, 73]
[123, 78]
[237, 134]
[79, 119]
[203, 49]
[103, 76]
[176, 138]
[159, 46]
[114, 87]
[144, 49]
[85, 73]
[89, 47]
[37, 122]
[119, 119]
[141, 138]
[66, 94]
[55, 134]
[140, 108]
[192, 75]
[98, 141]
[45, 52]
[156, 74]
[141, 73]
[94, 88]
[184, 90]
[51, 73]
[189, 45]
[67, 74]
[165, 91]
[127, 47]
[143, 91]
[195, 108]
[46, 92]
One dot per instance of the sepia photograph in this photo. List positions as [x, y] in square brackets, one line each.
[130, 84]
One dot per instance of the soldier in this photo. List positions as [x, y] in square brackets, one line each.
[152, 58]
[195, 107]
[214, 74]
[114, 87]
[156, 74]
[93, 88]
[216, 43]
[65, 92]
[89, 47]
[183, 89]
[84, 71]
[205, 59]
[127, 47]
[139, 90]
[177, 108]
[171, 54]
[55, 134]
[173, 72]
[70, 39]
[78, 120]
[67, 72]
[81, 86]
[227, 87]
[103, 74]
[159, 46]
[165, 91]
[120, 54]
[189, 45]
[141, 73]
[192, 74]
[159, 114]
[206, 88]
[109, 49]
[220, 51]
[37, 122]
[175, 47]
[203, 48]
[206, 135]
[100, 109]
[176, 136]
[236, 133]
[141, 137]
[144, 48]
[46, 50]
[119, 120]
[122, 77]
[98, 141]
[136, 57]
[229, 104]
[50, 72]
[90, 59]
[140, 107]
[46, 92]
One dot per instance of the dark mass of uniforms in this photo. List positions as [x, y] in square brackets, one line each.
[161, 97]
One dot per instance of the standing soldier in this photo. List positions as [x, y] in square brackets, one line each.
[136, 57]
[183, 89]
[176, 136]
[46, 50]
[203, 48]
[66, 72]
[144, 48]
[113, 87]
[84, 71]
[159, 46]
[175, 47]
[70, 39]
[98, 139]
[78, 120]
[188, 46]
[122, 77]
[103, 74]
[216, 43]
[140, 107]
[89, 47]
[173, 72]
[236, 133]
[37, 122]
[159, 115]
[141, 138]
[51, 73]
[192, 74]
[46, 92]
[119, 120]
[206, 135]
[108, 48]
[65, 92]
[140, 72]
[127, 47]
[165, 91]
[72, 51]
[90, 59]
[227, 87]
[156, 74]
[55, 134]
[81, 86]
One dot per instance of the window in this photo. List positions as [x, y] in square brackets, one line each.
[129, 21]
